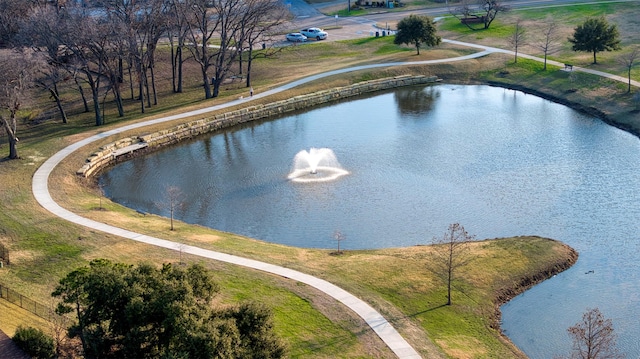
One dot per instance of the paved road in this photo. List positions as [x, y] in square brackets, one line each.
[374, 319]
[312, 15]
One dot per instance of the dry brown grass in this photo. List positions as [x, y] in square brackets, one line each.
[12, 316]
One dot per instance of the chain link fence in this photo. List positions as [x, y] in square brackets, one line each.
[41, 310]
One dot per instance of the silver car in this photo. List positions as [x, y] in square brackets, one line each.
[296, 37]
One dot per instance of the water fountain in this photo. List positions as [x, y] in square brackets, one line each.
[316, 165]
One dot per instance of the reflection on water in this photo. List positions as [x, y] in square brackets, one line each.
[500, 162]
[415, 100]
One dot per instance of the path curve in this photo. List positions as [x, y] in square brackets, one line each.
[375, 320]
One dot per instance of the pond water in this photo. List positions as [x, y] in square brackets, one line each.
[500, 162]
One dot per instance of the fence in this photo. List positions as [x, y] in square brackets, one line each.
[43, 311]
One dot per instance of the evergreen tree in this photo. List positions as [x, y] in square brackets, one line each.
[595, 35]
[417, 30]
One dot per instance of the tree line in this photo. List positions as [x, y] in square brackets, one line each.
[107, 48]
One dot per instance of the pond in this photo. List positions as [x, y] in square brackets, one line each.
[500, 162]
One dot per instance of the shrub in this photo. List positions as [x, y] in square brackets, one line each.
[34, 342]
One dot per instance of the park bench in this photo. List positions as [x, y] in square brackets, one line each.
[472, 20]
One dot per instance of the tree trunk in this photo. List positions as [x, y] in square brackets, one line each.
[153, 85]
[10, 129]
[594, 58]
[249, 70]
[118, 99]
[449, 276]
[216, 88]
[146, 87]
[120, 71]
[141, 93]
[207, 86]
[96, 102]
[172, 47]
[133, 96]
[179, 64]
[56, 96]
[81, 91]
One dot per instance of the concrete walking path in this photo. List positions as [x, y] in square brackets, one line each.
[40, 189]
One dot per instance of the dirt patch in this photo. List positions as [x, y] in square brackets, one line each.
[460, 348]
[205, 238]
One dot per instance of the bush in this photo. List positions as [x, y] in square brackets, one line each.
[34, 342]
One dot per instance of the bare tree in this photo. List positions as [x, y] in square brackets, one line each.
[201, 29]
[339, 237]
[463, 11]
[35, 34]
[229, 22]
[174, 201]
[209, 21]
[181, 247]
[88, 50]
[178, 21]
[12, 12]
[482, 12]
[262, 18]
[491, 10]
[549, 42]
[15, 85]
[64, 346]
[517, 38]
[141, 25]
[629, 60]
[450, 254]
[593, 337]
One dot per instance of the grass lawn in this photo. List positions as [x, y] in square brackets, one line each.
[395, 281]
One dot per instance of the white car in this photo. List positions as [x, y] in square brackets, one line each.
[296, 37]
[314, 33]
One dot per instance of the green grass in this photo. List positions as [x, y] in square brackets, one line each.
[572, 14]
[319, 335]
[12, 316]
[498, 28]
[346, 13]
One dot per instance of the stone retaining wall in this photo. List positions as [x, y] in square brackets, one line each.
[109, 154]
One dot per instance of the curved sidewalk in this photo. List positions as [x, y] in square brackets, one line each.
[374, 319]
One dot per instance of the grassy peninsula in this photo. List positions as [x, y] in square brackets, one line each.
[395, 281]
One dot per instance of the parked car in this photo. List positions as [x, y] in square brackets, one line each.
[296, 37]
[314, 33]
